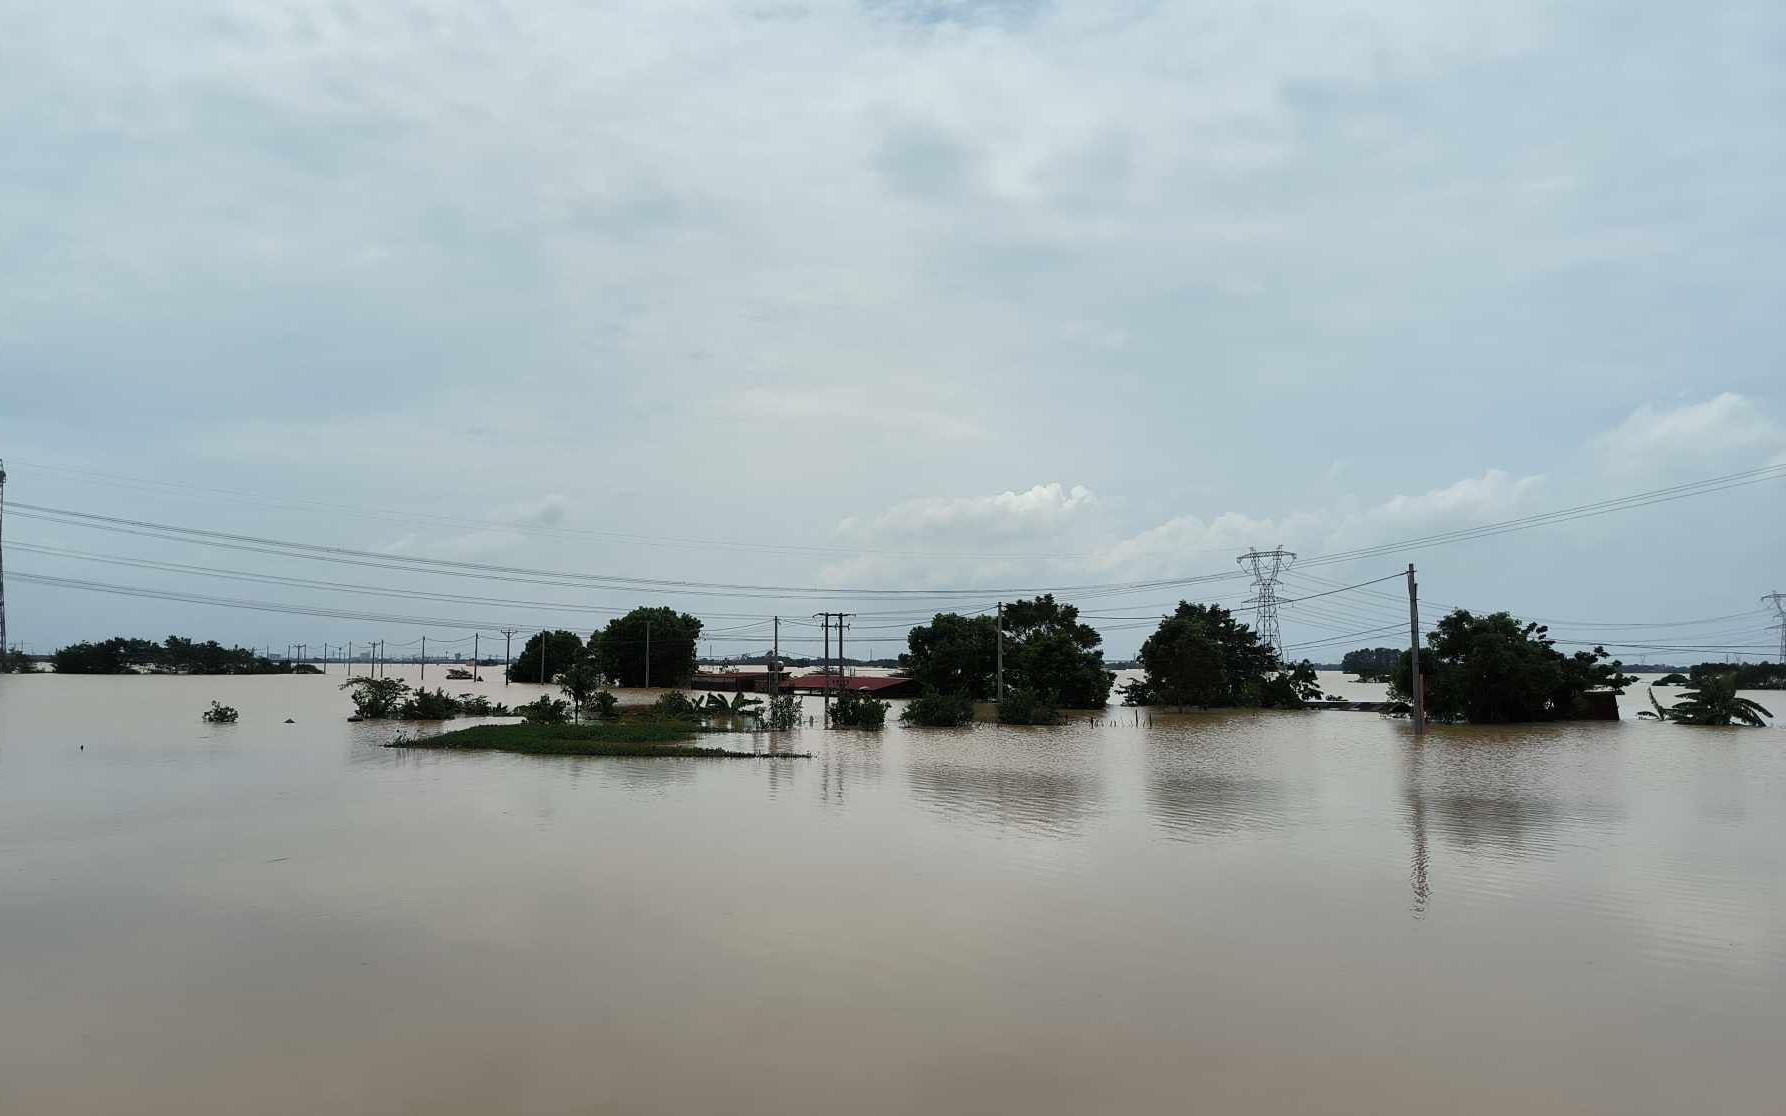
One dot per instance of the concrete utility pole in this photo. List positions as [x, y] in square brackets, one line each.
[1000, 690]
[3, 644]
[424, 658]
[775, 662]
[842, 619]
[542, 657]
[647, 654]
[1266, 566]
[1419, 683]
[508, 635]
[474, 657]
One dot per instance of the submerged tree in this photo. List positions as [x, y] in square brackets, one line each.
[546, 656]
[664, 634]
[953, 654]
[1371, 664]
[1493, 669]
[1714, 702]
[1051, 654]
[1202, 656]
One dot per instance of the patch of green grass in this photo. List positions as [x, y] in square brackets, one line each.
[626, 738]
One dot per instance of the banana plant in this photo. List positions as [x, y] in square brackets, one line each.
[1714, 702]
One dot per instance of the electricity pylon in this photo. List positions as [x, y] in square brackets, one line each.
[1266, 566]
[1778, 600]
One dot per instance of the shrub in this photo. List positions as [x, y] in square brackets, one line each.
[934, 710]
[429, 705]
[605, 705]
[376, 698]
[219, 715]
[1023, 706]
[674, 706]
[855, 709]
[545, 711]
[477, 705]
[783, 713]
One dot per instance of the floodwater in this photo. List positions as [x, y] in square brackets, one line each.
[1210, 912]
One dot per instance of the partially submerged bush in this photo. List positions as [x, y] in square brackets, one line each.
[1023, 706]
[477, 705]
[219, 714]
[782, 714]
[426, 705]
[604, 705]
[934, 710]
[374, 699]
[545, 711]
[855, 709]
[674, 706]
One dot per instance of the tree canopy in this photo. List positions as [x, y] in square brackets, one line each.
[1492, 669]
[620, 648]
[1372, 664]
[1047, 650]
[562, 648]
[1051, 654]
[178, 655]
[953, 654]
[1202, 656]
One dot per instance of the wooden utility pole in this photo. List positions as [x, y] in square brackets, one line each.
[1000, 691]
[1419, 685]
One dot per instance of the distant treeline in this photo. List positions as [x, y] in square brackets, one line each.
[1749, 676]
[178, 655]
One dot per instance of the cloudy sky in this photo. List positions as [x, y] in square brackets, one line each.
[889, 294]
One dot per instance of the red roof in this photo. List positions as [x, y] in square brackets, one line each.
[848, 682]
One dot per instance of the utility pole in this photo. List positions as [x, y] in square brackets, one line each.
[3, 644]
[1419, 684]
[1001, 651]
[825, 672]
[474, 657]
[775, 662]
[542, 657]
[647, 654]
[508, 635]
[1266, 566]
[424, 658]
[826, 618]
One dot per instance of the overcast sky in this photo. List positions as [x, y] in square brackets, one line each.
[891, 294]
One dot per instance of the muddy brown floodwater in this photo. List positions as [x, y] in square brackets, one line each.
[1224, 912]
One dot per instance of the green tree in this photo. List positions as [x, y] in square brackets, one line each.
[1023, 706]
[934, 710]
[1714, 701]
[1202, 656]
[855, 709]
[580, 682]
[620, 648]
[374, 699]
[562, 648]
[1372, 664]
[1492, 669]
[1048, 651]
[953, 654]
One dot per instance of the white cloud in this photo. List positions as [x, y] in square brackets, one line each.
[1725, 428]
[1041, 511]
[541, 511]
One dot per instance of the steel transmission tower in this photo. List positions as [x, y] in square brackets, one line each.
[1776, 598]
[1265, 566]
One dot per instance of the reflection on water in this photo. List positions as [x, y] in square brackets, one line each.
[1108, 917]
[1006, 778]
